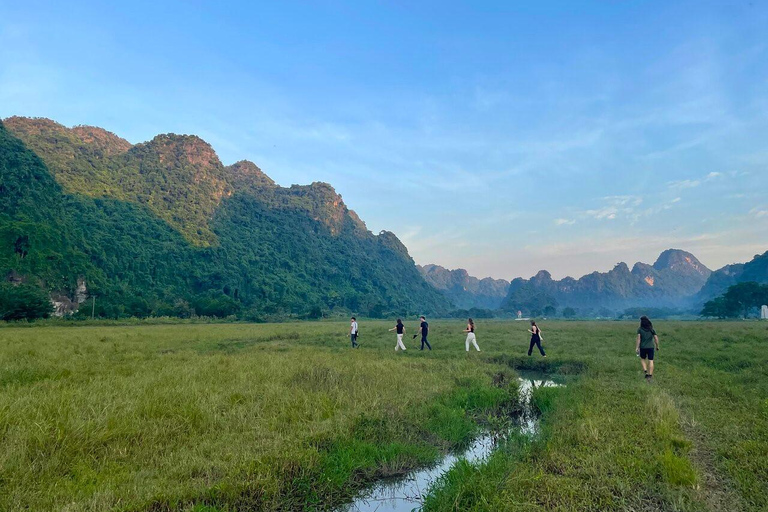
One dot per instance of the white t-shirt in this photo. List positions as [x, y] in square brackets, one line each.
[353, 328]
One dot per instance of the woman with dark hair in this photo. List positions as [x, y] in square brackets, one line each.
[536, 338]
[471, 339]
[646, 339]
[400, 328]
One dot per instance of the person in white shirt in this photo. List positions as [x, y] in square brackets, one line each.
[353, 333]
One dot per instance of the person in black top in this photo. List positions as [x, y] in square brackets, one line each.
[536, 338]
[400, 328]
[424, 332]
[646, 340]
[471, 338]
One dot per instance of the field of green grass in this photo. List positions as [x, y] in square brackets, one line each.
[223, 417]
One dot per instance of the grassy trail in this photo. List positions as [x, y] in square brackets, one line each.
[287, 416]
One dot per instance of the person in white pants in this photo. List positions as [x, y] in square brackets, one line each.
[400, 328]
[470, 330]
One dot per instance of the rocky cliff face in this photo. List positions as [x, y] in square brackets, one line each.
[466, 291]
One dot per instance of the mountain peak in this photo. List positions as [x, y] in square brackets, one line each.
[92, 138]
[172, 147]
[245, 172]
[105, 141]
[680, 261]
[33, 125]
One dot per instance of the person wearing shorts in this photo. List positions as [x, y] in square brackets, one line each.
[647, 344]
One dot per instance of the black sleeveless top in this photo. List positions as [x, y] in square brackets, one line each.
[400, 328]
[535, 336]
[471, 328]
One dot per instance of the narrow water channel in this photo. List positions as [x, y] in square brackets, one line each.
[406, 493]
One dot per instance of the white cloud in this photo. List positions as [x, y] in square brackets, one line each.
[681, 184]
[693, 183]
[565, 222]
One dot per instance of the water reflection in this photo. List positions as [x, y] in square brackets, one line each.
[405, 494]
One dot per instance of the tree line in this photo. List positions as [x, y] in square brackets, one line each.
[741, 300]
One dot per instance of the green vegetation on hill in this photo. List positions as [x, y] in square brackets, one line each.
[755, 270]
[163, 229]
[740, 300]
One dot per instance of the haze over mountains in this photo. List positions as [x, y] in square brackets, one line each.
[164, 228]
[466, 291]
[676, 280]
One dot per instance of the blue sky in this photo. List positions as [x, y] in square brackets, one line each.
[499, 137]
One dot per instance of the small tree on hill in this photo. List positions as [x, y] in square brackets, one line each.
[24, 302]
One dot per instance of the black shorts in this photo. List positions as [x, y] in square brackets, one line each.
[646, 353]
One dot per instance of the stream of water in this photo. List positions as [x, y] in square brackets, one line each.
[405, 494]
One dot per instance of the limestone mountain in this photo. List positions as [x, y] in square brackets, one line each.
[669, 282]
[754, 270]
[163, 227]
[466, 291]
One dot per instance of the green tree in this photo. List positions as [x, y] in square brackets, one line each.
[23, 302]
[569, 312]
[739, 300]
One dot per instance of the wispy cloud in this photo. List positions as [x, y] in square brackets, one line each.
[693, 183]
[565, 222]
[614, 207]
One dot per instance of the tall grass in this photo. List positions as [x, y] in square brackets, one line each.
[233, 416]
[288, 416]
[612, 442]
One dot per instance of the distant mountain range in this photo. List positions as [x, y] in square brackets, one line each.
[670, 282]
[676, 280]
[164, 228]
[465, 291]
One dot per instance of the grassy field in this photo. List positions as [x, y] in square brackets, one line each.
[287, 416]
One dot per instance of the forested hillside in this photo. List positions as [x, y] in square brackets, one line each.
[755, 270]
[163, 228]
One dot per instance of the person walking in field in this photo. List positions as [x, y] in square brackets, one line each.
[400, 328]
[353, 333]
[646, 340]
[424, 330]
[536, 339]
[470, 330]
